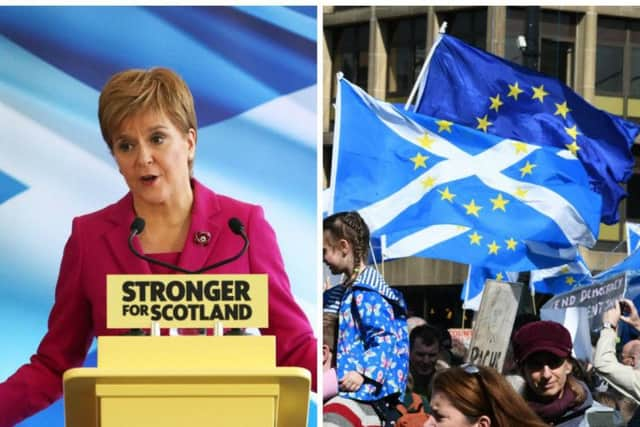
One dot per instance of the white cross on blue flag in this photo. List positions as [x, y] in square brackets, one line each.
[437, 189]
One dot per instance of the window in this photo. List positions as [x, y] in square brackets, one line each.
[516, 25]
[557, 39]
[609, 70]
[406, 54]
[634, 90]
[351, 54]
[469, 25]
[556, 60]
[610, 56]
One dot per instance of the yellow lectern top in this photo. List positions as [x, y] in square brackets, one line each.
[186, 381]
[276, 397]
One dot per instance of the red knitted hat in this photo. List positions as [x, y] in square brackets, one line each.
[542, 335]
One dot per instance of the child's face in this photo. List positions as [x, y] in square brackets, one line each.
[327, 357]
[335, 254]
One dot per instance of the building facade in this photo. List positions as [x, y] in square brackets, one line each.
[593, 49]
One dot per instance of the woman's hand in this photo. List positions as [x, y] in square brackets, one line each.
[352, 381]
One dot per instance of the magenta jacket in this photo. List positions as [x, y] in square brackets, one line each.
[98, 246]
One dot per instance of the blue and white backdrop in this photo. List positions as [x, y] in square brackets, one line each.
[252, 71]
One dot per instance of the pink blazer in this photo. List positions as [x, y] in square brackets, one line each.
[98, 246]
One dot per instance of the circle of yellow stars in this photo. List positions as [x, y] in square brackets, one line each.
[518, 93]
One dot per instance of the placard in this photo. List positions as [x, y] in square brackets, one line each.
[493, 323]
[596, 298]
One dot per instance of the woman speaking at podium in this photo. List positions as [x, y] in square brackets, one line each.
[148, 120]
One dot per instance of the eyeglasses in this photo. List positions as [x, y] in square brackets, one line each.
[538, 361]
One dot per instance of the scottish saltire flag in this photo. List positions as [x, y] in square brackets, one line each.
[630, 265]
[474, 88]
[633, 237]
[440, 190]
[564, 278]
[253, 74]
[473, 287]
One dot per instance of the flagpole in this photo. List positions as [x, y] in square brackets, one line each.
[467, 283]
[373, 256]
[425, 66]
[606, 256]
[336, 145]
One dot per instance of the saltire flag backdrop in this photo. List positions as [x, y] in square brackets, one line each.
[564, 278]
[473, 287]
[252, 71]
[440, 190]
[477, 89]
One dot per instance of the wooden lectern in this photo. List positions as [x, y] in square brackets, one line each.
[186, 381]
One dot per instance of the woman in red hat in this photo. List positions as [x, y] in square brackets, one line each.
[543, 352]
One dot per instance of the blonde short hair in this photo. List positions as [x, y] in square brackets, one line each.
[134, 91]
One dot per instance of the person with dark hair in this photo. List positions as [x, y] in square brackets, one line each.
[477, 396]
[372, 352]
[424, 345]
[542, 350]
[149, 125]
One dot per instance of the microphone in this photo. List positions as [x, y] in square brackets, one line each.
[236, 226]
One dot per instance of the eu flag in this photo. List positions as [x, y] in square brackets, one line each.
[564, 278]
[437, 189]
[474, 88]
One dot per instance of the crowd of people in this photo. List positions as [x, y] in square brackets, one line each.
[384, 368]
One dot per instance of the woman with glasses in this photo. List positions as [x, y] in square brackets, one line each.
[477, 396]
[543, 352]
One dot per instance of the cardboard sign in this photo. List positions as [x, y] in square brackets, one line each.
[493, 324]
[463, 336]
[187, 300]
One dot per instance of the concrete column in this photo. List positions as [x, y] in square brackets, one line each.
[588, 87]
[496, 29]
[432, 28]
[377, 75]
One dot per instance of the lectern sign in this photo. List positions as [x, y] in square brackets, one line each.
[187, 300]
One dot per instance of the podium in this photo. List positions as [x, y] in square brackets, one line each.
[186, 381]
